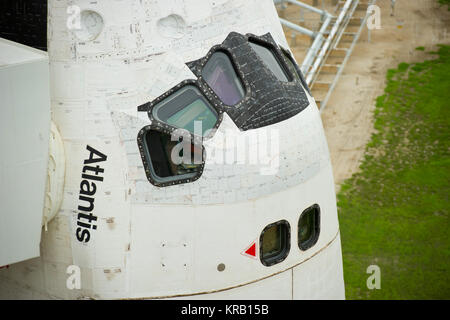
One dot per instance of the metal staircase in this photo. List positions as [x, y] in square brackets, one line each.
[332, 45]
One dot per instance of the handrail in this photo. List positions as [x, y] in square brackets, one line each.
[301, 4]
[296, 27]
[337, 38]
[316, 45]
[321, 47]
[306, 6]
[326, 45]
[317, 36]
[344, 62]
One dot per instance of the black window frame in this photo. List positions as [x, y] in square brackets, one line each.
[282, 255]
[314, 236]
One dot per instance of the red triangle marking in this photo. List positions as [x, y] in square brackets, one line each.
[250, 251]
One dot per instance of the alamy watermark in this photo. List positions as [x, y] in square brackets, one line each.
[374, 280]
[255, 147]
[74, 279]
[73, 18]
[374, 19]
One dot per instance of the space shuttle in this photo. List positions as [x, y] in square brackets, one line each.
[163, 150]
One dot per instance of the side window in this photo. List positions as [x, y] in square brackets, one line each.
[220, 75]
[186, 109]
[309, 227]
[271, 61]
[291, 64]
[275, 243]
[160, 153]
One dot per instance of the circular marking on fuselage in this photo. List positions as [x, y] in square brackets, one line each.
[91, 25]
[172, 26]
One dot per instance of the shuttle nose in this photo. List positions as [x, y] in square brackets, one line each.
[171, 229]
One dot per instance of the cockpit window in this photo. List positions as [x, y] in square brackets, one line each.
[270, 60]
[186, 109]
[291, 66]
[239, 79]
[161, 154]
[220, 75]
[294, 69]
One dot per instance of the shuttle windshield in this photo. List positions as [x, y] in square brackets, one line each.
[184, 108]
[221, 77]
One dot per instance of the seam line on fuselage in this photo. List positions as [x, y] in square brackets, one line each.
[240, 285]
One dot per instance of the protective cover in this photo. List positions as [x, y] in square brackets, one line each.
[24, 139]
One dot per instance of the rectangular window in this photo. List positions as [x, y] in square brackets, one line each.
[275, 243]
[272, 242]
[297, 73]
[159, 153]
[220, 75]
[309, 227]
[186, 109]
[271, 61]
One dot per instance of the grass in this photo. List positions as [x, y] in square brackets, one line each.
[447, 2]
[394, 212]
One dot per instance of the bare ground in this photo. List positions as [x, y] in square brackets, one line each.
[348, 117]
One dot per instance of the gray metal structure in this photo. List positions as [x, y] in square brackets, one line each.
[327, 40]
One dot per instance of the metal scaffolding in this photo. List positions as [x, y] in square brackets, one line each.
[326, 40]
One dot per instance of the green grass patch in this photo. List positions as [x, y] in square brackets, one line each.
[394, 213]
[447, 2]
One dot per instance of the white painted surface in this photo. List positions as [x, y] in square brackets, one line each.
[24, 138]
[322, 278]
[318, 278]
[277, 287]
